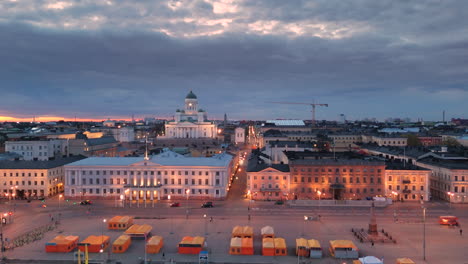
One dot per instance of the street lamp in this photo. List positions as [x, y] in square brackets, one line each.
[451, 194]
[102, 234]
[206, 227]
[319, 195]
[187, 210]
[60, 212]
[424, 233]
[303, 225]
[395, 214]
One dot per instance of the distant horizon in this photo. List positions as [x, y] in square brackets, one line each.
[45, 119]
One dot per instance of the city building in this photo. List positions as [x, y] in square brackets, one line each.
[102, 147]
[267, 182]
[239, 137]
[276, 149]
[191, 122]
[407, 182]
[37, 149]
[336, 178]
[164, 176]
[449, 172]
[33, 179]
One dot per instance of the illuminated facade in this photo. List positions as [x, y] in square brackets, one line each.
[191, 122]
[164, 176]
[268, 182]
[336, 179]
[33, 179]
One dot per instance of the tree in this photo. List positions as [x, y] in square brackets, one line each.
[413, 140]
[451, 142]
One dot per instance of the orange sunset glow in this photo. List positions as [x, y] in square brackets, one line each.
[54, 118]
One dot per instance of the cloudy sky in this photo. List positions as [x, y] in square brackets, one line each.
[115, 58]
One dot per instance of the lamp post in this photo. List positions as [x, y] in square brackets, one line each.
[424, 233]
[102, 236]
[206, 225]
[395, 214]
[60, 212]
[303, 225]
[187, 210]
[319, 195]
[451, 194]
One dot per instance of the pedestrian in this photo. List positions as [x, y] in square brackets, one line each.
[164, 256]
[372, 243]
[211, 219]
[461, 232]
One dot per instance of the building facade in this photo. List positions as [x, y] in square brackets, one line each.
[239, 135]
[268, 182]
[37, 149]
[33, 179]
[407, 183]
[165, 176]
[336, 179]
[191, 122]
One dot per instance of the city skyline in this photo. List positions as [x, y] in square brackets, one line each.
[111, 60]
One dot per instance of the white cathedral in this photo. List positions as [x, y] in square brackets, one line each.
[191, 122]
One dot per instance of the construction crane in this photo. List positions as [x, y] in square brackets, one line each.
[312, 104]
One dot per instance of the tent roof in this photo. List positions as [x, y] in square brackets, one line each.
[139, 229]
[155, 240]
[405, 261]
[370, 260]
[121, 240]
[280, 242]
[301, 242]
[267, 230]
[268, 243]
[95, 240]
[313, 243]
[343, 244]
[236, 242]
[247, 242]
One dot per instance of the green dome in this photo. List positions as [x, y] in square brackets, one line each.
[191, 95]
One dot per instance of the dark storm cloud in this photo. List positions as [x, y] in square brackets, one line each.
[117, 58]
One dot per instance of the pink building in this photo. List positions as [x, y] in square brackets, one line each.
[268, 182]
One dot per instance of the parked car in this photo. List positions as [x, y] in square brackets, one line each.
[175, 204]
[279, 202]
[86, 202]
[207, 205]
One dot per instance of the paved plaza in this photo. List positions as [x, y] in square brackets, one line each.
[443, 244]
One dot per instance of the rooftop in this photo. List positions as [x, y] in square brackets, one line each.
[166, 158]
[36, 164]
[335, 162]
[286, 122]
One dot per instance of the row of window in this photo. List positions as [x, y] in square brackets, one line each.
[462, 189]
[217, 173]
[270, 186]
[24, 174]
[337, 170]
[28, 147]
[390, 178]
[269, 177]
[350, 190]
[421, 188]
[23, 183]
[91, 181]
[337, 180]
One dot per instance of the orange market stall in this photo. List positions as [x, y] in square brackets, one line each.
[280, 247]
[343, 249]
[242, 231]
[121, 244]
[268, 246]
[191, 245]
[95, 243]
[235, 246]
[120, 222]
[404, 261]
[62, 244]
[247, 246]
[314, 248]
[267, 231]
[154, 244]
[302, 247]
[139, 231]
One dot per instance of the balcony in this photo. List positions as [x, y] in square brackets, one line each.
[406, 191]
[406, 181]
